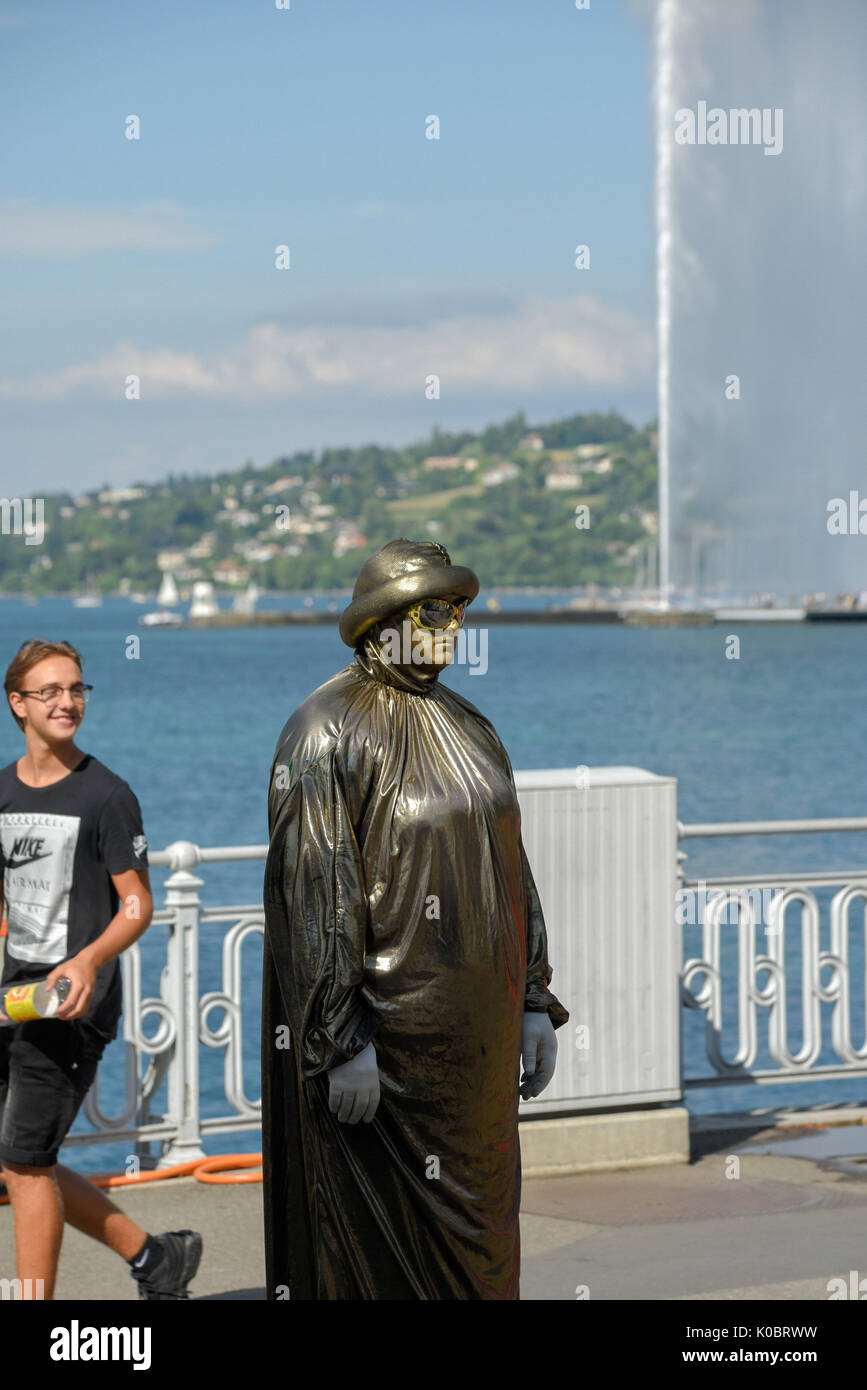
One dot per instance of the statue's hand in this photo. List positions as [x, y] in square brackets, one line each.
[538, 1054]
[353, 1088]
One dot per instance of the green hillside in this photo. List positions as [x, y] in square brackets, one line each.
[503, 501]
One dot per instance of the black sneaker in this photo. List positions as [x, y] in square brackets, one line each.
[182, 1251]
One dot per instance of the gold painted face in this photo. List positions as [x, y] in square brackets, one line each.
[426, 633]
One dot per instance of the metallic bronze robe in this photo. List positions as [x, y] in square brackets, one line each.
[399, 907]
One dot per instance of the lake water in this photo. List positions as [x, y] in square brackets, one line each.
[191, 725]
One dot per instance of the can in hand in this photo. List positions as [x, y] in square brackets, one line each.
[21, 1003]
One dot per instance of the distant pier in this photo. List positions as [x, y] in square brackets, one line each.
[623, 615]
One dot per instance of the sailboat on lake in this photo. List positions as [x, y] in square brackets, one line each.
[91, 598]
[167, 597]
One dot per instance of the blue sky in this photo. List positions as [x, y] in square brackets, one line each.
[306, 127]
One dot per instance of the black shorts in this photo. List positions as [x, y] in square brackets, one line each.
[47, 1067]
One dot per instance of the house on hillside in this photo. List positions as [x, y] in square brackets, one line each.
[348, 539]
[122, 494]
[203, 548]
[170, 559]
[227, 572]
[439, 463]
[295, 480]
[501, 473]
[563, 478]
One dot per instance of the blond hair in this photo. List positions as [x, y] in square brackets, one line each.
[29, 654]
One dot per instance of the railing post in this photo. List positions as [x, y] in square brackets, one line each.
[180, 989]
[680, 875]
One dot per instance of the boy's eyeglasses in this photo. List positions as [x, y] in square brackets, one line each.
[50, 694]
[437, 613]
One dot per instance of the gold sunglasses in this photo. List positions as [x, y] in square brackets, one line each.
[437, 613]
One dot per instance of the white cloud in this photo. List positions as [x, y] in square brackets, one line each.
[541, 344]
[404, 305]
[64, 232]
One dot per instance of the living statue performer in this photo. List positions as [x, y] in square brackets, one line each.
[405, 974]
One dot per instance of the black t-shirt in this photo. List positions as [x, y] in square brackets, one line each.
[58, 847]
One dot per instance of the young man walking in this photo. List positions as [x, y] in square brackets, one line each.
[76, 894]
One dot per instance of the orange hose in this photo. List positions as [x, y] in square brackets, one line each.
[178, 1170]
[221, 1168]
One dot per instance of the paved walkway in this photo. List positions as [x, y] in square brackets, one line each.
[779, 1230]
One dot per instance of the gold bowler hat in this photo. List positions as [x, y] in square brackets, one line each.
[398, 575]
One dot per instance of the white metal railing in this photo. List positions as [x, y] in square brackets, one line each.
[603, 851]
[184, 1019]
[749, 903]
